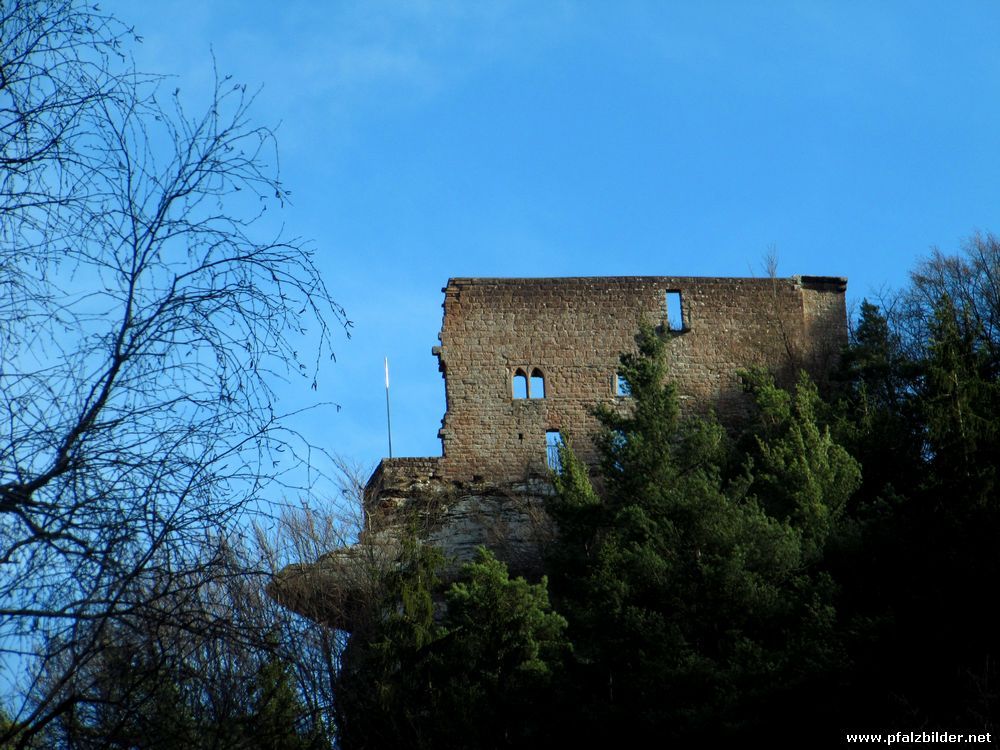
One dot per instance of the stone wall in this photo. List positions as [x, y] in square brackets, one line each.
[409, 495]
[572, 331]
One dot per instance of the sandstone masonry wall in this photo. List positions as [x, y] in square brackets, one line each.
[572, 330]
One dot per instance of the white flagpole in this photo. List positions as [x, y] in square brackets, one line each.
[388, 420]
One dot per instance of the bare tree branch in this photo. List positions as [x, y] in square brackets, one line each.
[144, 317]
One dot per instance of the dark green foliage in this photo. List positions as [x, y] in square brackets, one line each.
[133, 700]
[878, 419]
[688, 601]
[921, 411]
[800, 473]
[960, 406]
[480, 676]
[380, 697]
[141, 696]
[276, 720]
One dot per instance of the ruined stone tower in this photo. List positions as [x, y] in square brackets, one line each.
[524, 362]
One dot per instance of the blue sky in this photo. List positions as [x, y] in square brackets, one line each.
[424, 140]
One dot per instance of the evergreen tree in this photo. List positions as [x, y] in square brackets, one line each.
[961, 401]
[920, 412]
[800, 474]
[688, 602]
[142, 697]
[944, 642]
[476, 671]
[877, 417]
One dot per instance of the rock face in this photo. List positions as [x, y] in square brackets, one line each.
[459, 517]
[524, 363]
[409, 496]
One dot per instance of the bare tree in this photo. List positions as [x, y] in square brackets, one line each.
[315, 535]
[145, 319]
[206, 662]
[970, 278]
[57, 72]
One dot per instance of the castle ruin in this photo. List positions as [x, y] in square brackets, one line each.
[524, 363]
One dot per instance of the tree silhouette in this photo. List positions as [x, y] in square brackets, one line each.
[145, 315]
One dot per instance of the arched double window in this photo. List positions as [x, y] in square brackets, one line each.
[523, 387]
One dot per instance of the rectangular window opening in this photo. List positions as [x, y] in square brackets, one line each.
[675, 314]
[553, 439]
[621, 386]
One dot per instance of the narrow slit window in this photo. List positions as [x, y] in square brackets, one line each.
[553, 439]
[537, 384]
[675, 314]
[622, 387]
[520, 384]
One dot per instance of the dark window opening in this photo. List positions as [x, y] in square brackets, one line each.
[622, 388]
[553, 439]
[675, 313]
[537, 389]
[520, 384]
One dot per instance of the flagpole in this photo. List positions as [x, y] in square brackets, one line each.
[388, 419]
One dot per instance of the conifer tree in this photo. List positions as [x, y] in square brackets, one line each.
[688, 602]
[476, 670]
